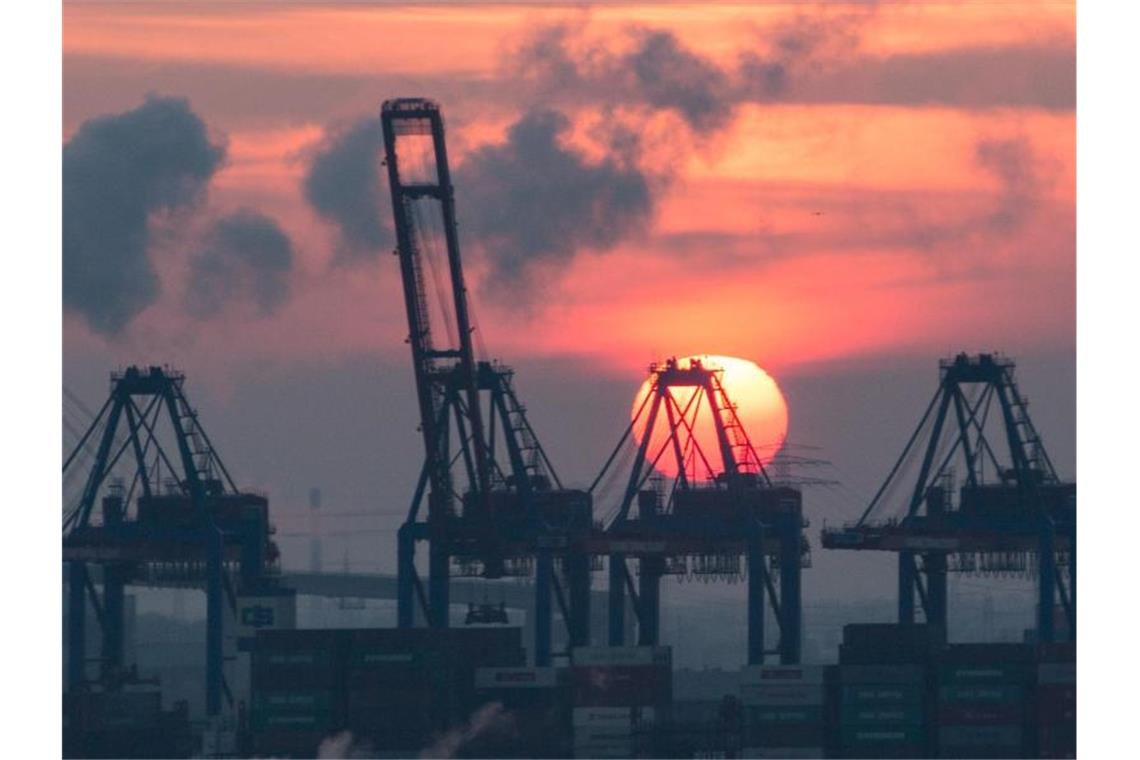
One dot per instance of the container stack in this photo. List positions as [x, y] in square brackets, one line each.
[127, 721]
[537, 703]
[394, 689]
[391, 680]
[617, 691]
[783, 711]
[705, 719]
[983, 692]
[982, 700]
[1056, 704]
[884, 678]
[297, 686]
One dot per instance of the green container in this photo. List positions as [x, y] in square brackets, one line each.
[274, 702]
[960, 675]
[290, 721]
[880, 735]
[801, 714]
[882, 715]
[882, 694]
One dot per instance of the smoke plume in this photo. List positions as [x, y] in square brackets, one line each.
[344, 186]
[534, 202]
[247, 257]
[118, 171]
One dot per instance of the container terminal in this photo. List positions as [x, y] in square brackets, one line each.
[590, 672]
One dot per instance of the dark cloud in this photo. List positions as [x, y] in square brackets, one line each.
[119, 170]
[532, 201]
[668, 76]
[344, 186]
[660, 73]
[247, 257]
[810, 59]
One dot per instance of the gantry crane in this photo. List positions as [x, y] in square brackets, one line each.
[1017, 516]
[721, 505]
[181, 519]
[495, 505]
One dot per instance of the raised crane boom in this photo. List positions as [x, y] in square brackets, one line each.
[483, 517]
[435, 367]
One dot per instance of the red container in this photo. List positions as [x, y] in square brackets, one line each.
[621, 686]
[980, 714]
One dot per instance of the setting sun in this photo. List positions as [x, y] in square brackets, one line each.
[760, 407]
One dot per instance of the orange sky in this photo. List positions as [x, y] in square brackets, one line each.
[810, 228]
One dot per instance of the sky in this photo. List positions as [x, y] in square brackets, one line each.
[842, 193]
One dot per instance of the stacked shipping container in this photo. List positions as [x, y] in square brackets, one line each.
[1056, 704]
[982, 699]
[784, 711]
[883, 692]
[616, 690]
[393, 688]
[537, 703]
[125, 722]
[297, 690]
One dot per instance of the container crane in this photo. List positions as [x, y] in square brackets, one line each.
[722, 506]
[1021, 519]
[181, 517]
[495, 506]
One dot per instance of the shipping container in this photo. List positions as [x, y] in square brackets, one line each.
[789, 753]
[785, 714]
[892, 637]
[782, 674]
[1008, 736]
[604, 750]
[622, 656]
[611, 716]
[902, 713]
[783, 734]
[967, 675]
[1057, 673]
[883, 735]
[862, 695]
[621, 686]
[283, 660]
[882, 674]
[981, 715]
[993, 693]
[517, 678]
[790, 695]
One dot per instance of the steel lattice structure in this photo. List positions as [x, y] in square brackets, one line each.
[704, 524]
[495, 505]
[1018, 517]
[181, 517]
